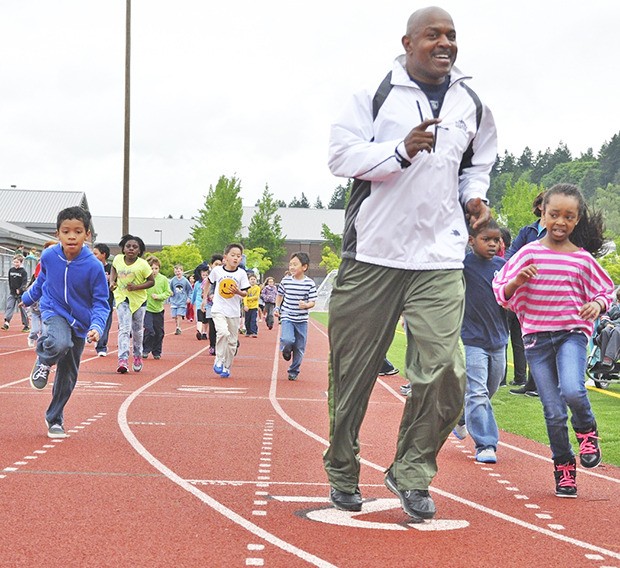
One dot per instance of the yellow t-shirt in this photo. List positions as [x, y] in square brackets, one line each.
[135, 273]
[251, 300]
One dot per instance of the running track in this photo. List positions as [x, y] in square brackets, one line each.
[175, 466]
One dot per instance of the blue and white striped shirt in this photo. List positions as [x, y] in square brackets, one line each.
[294, 291]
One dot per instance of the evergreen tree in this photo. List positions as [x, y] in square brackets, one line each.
[219, 222]
[265, 230]
[339, 197]
[301, 202]
[318, 204]
[609, 161]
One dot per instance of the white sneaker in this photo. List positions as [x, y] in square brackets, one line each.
[460, 431]
[102, 353]
[32, 342]
[486, 456]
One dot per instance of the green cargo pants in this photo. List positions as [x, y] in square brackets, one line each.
[365, 306]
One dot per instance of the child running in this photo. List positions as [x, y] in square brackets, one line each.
[268, 295]
[197, 302]
[228, 285]
[485, 335]
[154, 317]
[557, 290]
[250, 306]
[296, 295]
[72, 291]
[130, 277]
[181, 296]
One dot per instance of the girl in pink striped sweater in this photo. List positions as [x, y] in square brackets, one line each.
[557, 290]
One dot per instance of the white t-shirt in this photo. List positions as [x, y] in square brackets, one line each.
[224, 302]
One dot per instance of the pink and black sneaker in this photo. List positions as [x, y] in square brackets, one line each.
[589, 450]
[566, 478]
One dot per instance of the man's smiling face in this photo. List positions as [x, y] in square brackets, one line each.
[430, 46]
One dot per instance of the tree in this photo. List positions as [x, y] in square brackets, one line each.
[329, 260]
[186, 254]
[526, 161]
[339, 197]
[516, 205]
[281, 203]
[219, 222]
[318, 204]
[255, 258]
[333, 240]
[301, 202]
[265, 230]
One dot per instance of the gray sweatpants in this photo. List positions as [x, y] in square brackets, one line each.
[365, 306]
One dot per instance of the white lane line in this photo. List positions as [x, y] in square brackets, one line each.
[467, 502]
[184, 484]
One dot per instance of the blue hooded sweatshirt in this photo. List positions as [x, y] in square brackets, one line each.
[76, 290]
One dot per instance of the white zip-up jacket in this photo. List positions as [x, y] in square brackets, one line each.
[412, 217]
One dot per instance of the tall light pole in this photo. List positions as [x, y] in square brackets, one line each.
[127, 121]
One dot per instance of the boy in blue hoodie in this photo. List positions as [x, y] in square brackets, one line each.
[73, 295]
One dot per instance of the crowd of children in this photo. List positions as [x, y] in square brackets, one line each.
[552, 284]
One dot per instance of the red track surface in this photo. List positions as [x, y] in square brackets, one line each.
[175, 466]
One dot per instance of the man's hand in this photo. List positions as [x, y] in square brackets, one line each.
[477, 212]
[419, 140]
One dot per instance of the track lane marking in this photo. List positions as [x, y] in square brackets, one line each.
[187, 486]
[453, 497]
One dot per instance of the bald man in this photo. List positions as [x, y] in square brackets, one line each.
[421, 165]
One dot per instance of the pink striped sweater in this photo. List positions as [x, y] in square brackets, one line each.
[551, 300]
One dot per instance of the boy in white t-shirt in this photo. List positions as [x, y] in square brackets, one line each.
[229, 284]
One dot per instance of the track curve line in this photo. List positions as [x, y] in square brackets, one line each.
[206, 499]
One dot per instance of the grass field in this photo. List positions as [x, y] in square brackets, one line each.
[523, 415]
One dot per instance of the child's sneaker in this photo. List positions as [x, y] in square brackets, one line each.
[178, 331]
[32, 342]
[199, 336]
[566, 478]
[39, 375]
[589, 450]
[292, 377]
[137, 364]
[460, 431]
[225, 373]
[56, 431]
[218, 368]
[5, 326]
[486, 455]
[211, 350]
[25, 329]
[157, 357]
[287, 352]
[123, 366]
[204, 337]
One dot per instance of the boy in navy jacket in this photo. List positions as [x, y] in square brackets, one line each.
[73, 294]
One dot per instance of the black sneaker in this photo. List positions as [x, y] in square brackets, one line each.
[39, 375]
[5, 326]
[392, 371]
[532, 394]
[292, 377]
[589, 450]
[25, 329]
[417, 503]
[520, 390]
[346, 501]
[199, 336]
[565, 478]
[287, 352]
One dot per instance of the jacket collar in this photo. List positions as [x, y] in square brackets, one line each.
[401, 77]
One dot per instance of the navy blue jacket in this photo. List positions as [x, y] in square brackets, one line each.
[76, 290]
[485, 323]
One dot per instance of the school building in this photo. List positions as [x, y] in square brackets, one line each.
[29, 219]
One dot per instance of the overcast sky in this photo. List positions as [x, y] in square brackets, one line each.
[250, 88]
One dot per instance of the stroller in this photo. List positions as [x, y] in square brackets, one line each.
[603, 375]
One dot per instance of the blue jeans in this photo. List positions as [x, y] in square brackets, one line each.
[294, 335]
[251, 325]
[102, 344]
[58, 345]
[130, 324]
[557, 361]
[485, 370]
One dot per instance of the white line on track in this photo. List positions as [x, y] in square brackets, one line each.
[206, 499]
[473, 505]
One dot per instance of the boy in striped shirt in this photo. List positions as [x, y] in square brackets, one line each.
[296, 295]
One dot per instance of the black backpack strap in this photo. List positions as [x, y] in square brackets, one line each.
[382, 92]
[360, 189]
[469, 152]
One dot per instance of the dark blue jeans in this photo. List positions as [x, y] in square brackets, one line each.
[251, 325]
[294, 335]
[557, 361]
[102, 344]
[60, 346]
